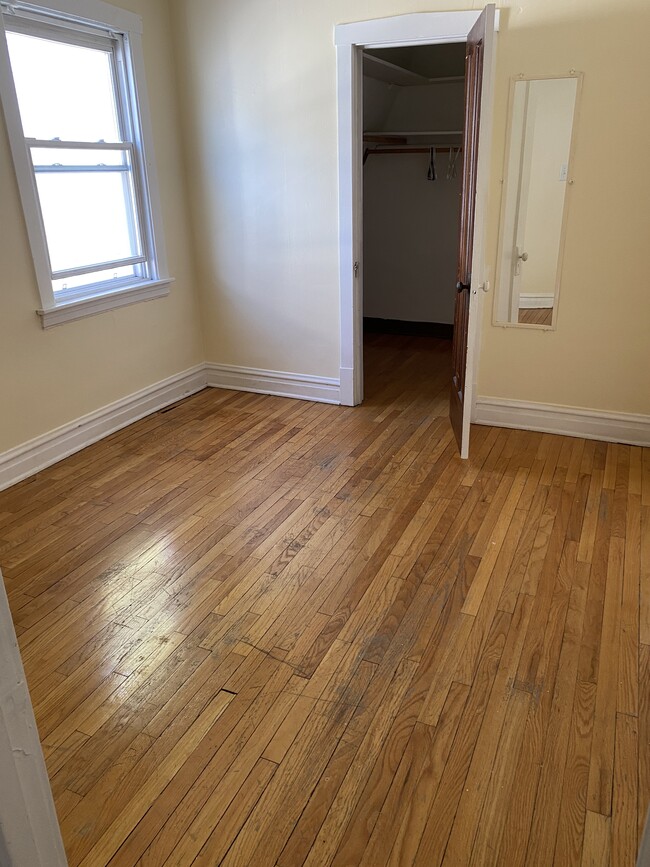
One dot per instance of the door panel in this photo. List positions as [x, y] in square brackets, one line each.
[477, 59]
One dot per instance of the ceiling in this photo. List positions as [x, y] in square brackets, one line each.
[417, 65]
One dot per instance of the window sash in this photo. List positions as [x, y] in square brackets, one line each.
[93, 23]
[91, 269]
[79, 145]
[137, 226]
[57, 144]
[61, 32]
[72, 33]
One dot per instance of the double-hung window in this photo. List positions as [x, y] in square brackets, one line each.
[73, 96]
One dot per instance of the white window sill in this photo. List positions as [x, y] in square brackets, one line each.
[80, 308]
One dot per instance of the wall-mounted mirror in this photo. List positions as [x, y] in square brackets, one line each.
[537, 175]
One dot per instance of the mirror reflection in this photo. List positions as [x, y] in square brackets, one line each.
[536, 176]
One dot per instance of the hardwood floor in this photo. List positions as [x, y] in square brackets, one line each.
[536, 315]
[260, 631]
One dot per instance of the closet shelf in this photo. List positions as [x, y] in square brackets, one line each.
[391, 73]
[383, 70]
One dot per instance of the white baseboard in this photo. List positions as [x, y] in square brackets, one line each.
[617, 427]
[43, 451]
[528, 301]
[276, 382]
[347, 386]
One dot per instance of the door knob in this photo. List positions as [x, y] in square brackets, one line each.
[520, 257]
[460, 286]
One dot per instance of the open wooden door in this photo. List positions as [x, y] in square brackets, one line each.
[478, 59]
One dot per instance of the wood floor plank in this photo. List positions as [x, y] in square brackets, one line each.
[598, 832]
[308, 825]
[416, 811]
[548, 801]
[644, 578]
[440, 820]
[601, 767]
[261, 631]
[624, 845]
[571, 826]
[484, 848]
[460, 844]
[644, 738]
[225, 831]
[628, 665]
[341, 811]
[138, 806]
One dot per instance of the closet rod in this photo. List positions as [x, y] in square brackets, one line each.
[409, 150]
[373, 132]
[415, 149]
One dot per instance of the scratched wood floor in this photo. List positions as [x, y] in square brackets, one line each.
[260, 631]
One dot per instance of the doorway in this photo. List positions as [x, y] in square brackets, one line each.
[352, 40]
[413, 113]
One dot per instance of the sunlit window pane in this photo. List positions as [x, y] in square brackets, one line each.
[89, 218]
[64, 91]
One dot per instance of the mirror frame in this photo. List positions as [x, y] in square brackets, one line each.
[572, 73]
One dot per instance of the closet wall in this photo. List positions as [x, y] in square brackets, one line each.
[410, 222]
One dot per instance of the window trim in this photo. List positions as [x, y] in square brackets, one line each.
[82, 15]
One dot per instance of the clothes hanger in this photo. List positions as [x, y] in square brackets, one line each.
[451, 165]
[431, 174]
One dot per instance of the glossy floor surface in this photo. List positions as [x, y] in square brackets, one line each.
[260, 631]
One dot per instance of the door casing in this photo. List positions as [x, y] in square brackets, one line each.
[425, 28]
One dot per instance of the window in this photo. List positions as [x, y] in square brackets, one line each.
[74, 101]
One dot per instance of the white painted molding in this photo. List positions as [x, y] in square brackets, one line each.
[411, 27]
[29, 830]
[94, 12]
[43, 451]
[25, 460]
[528, 300]
[100, 303]
[616, 427]
[276, 382]
[421, 28]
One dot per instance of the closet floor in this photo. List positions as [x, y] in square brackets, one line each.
[260, 631]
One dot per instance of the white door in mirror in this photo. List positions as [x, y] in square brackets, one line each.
[536, 179]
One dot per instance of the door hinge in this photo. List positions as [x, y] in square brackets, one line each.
[356, 269]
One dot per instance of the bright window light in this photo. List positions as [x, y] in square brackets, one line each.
[64, 90]
[73, 114]
[88, 208]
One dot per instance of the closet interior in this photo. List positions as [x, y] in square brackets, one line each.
[413, 107]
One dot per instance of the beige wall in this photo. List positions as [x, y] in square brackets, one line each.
[258, 100]
[259, 92]
[599, 356]
[49, 378]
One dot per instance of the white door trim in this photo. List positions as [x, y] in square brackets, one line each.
[29, 830]
[480, 269]
[425, 28]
